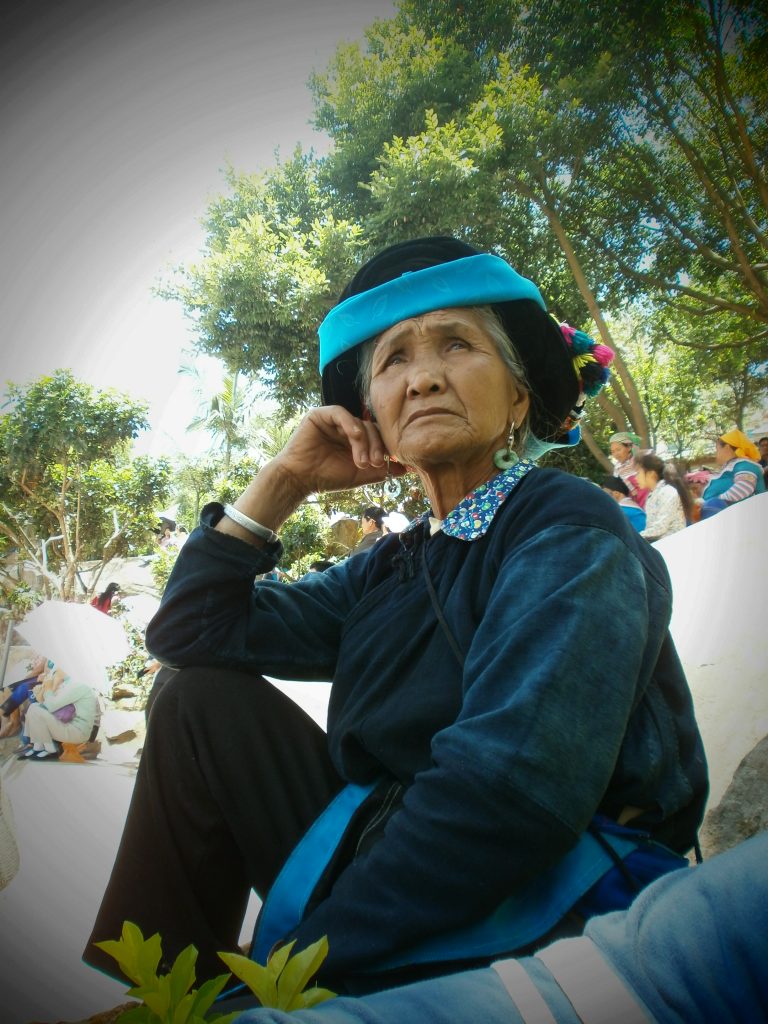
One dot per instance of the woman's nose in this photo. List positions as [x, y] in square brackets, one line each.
[426, 378]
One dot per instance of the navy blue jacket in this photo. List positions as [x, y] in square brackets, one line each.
[571, 699]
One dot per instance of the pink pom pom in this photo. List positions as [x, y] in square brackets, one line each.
[603, 354]
[568, 332]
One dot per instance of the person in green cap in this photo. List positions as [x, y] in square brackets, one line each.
[624, 446]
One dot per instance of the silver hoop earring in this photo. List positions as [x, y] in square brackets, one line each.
[506, 458]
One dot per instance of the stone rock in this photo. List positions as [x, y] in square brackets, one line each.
[121, 726]
[743, 810]
[125, 691]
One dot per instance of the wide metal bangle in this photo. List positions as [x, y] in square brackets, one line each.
[251, 525]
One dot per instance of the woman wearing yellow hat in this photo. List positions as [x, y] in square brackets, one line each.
[740, 475]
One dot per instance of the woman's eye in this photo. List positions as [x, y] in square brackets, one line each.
[457, 343]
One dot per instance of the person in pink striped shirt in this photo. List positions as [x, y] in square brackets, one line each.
[740, 475]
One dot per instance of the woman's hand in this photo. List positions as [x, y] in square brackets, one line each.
[332, 450]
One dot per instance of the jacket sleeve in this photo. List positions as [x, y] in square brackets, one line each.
[213, 612]
[69, 692]
[518, 775]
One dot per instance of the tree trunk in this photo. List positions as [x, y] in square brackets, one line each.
[626, 394]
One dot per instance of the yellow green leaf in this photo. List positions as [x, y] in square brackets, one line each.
[277, 960]
[311, 997]
[255, 976]
[182, 975]
[299, 971]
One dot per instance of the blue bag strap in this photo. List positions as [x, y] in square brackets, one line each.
[287, 899]
[517, 922]
[526, 916]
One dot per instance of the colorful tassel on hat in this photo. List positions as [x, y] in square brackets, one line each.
[590, 361]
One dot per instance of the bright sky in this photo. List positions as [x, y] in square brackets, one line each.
[117, 119]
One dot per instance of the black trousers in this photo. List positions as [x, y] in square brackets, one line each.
[232, 774]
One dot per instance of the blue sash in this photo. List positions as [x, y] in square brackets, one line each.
[587, 879]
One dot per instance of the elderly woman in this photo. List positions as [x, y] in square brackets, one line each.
[66, 711]
[484, 743]
[739, 476]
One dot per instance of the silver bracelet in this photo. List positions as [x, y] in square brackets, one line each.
[251, 525]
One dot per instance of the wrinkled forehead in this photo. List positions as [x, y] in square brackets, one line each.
[442, 322]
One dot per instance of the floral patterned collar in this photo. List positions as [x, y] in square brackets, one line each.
[470, 519]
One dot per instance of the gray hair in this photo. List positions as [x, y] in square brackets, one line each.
[491, 322]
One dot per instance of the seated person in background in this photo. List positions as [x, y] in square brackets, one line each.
[668, 506]
[15, 695]
[624, 447]
[696, 482]
[103, 601]
[739, 477]
[65, 711]
[619, 491]
[483, 740]
[372, 525]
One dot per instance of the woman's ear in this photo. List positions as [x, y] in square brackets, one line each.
[520, 403]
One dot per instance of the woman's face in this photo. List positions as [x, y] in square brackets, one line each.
[441, 392]
[620, 452]
[723, 452]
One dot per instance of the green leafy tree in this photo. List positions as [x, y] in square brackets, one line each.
[66, 473]
[274, 261]
[304, 533]
[613, 159]
[193, 484]
[225, 413]
[680, 203]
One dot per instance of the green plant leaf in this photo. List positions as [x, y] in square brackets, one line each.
[256, 977]
[277, 960]
[311, 997]
[206, 994]
[137, 958]
[148, 956]
[157, 997]
[298, 972]
[182, 975]
[181, 1013]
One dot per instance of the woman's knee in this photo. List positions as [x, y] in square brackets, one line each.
[201, 691]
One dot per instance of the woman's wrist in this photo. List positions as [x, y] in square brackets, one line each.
[268, 501]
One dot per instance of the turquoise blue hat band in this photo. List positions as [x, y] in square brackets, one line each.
[472, 281]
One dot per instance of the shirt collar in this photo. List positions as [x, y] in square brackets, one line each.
[473, 515]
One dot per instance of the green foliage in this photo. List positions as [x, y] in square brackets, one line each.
[270, 271]
[282, 983]
[168, 998]
[66, 470]
[171, 999]
[617, 161]
[302, 534]
[57, 419]
[162, 564]
[127, 670]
